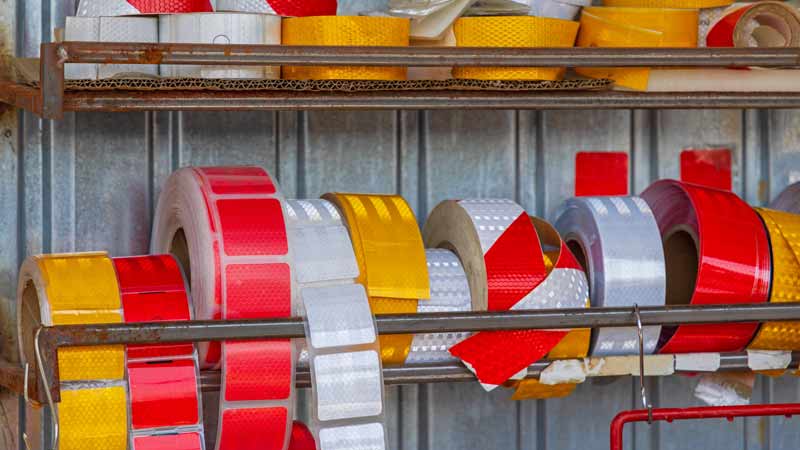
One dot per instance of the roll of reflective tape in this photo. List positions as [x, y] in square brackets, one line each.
[672, 4]
[162, 379]
[513, 31]
[346, 30]
[343, 350]
[220, 28]
[716, 251]
[618, 240]
[634, 27]
[78, 289]
[286, 8]
[761, 24]
[105, 8]
[783, 229]
[501, 254]
[391, 259]
[788, 200]
[449, 293]
[226, 226]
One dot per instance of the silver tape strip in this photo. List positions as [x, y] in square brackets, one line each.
[621, 243]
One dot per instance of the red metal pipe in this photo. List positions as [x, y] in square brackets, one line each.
[710, 412]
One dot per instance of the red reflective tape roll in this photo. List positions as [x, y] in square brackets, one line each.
[164, 391]
[711, 168]
[286, 8]
[716, 251]
[226, 226]
[105, 8]
[502, 256]
[601, 173]
[759, 24]
[302, 439]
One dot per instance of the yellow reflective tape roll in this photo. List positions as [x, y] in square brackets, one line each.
[675, 4]
[513, 31]
[78, 289]
[391, 259]
[784, 236]
[634, 27]
[345, 31]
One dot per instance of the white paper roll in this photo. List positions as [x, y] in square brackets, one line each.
[618, 242]
[220, 28]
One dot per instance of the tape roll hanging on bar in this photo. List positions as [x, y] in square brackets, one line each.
[93, 412]
[342, 342]
[165, 403]
[226, 226]
[619, 244]
[716, 251]
[109, 8]
[286, 8]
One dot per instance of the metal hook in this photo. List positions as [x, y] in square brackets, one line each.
[640, 333]
[46, 383]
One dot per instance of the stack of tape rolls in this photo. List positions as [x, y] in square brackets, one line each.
[634, 27]
[71, 290]
[783, 229]
[346, 372]
[226, 226]
[760, 24]
[97, 8]
[788, 200]
[220, 28]
[449, 293]
[513, 31]
[502, 256]
[345, 30]
[619, 244]
[165, 402]
[391, 259]
[286, 8]
[557, 257]
[716, 251]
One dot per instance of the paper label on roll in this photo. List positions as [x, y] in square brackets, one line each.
[697, 362]
[768, 359]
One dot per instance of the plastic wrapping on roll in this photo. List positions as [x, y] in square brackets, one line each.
[449, 293]
[220, 28]
[760, 24]
[350, 31]
[513, 31]
[620, 245]
[342, 342]
[98, 8]
[163, 379]
[226, 226]
[93, 412]
[788, 200]
[286, 8]
[716, 251]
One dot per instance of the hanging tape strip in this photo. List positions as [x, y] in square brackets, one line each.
[163, 379]
[286, 8]
[106, 8]
[391, 259]
[92, 414]
[343, 350]
[226, 226]
[513, 31]
[716, 251]
[346, 30]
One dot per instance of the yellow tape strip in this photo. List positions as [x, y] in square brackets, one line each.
[677, 4]
[634, 27]
[346, 30]
[784, 236]
[391, 259]
[513, 31]
[93, 419]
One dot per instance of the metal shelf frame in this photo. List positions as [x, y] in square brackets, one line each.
[51, 101]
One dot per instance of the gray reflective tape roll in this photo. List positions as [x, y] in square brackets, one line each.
[618, 242]
[788, 200]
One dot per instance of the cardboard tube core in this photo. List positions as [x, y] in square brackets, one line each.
[31, 321]
[681, 261]
[179, 248]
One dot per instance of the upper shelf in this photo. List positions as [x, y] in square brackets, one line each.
[50, 100]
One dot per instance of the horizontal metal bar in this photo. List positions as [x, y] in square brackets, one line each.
[456, 372]
[119, 101]
[143, 53]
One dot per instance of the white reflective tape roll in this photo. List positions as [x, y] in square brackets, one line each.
[618, 242]
[449, 293]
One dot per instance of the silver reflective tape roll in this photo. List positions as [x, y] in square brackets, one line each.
[788, 200]
[342, 342]
[449, 293]
[618, 242]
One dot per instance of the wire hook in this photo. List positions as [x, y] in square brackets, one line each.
[640, 333]
[46, 383]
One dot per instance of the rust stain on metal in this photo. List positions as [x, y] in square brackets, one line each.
[152, 56]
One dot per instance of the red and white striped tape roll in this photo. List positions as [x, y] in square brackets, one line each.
[286, 8]
[165, 402]
[226, 225]
[101, 8]
[502, 256]
[716, 251]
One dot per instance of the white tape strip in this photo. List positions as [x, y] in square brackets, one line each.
[768, 359]
[697, 362]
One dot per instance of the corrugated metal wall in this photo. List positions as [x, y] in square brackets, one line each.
[90, 182]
